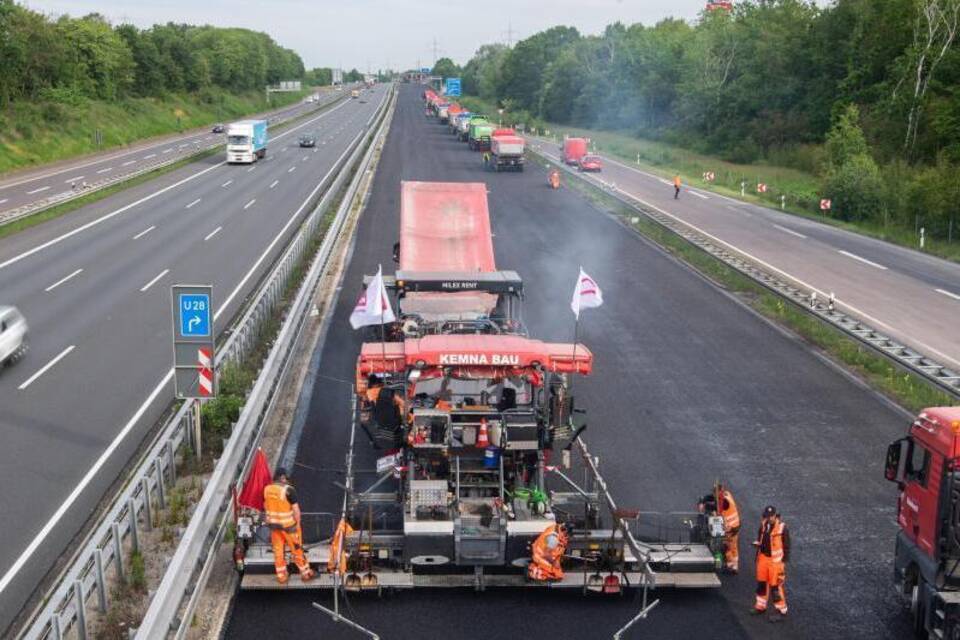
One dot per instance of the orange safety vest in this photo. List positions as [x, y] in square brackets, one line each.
[676, 181]
[776, 541]
[278, 509]
[731, 516]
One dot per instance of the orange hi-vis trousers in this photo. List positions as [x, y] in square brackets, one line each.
[281, 538]
[771, 576]
[731, 550]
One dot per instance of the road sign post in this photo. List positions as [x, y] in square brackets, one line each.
[193, 344]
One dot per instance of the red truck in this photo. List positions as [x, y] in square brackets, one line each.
[574, 149]
[926, 467]
[506, 150]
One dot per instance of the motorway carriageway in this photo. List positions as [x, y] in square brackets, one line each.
[29, 186]
[909, 295]
[95, 288]
[689, 386]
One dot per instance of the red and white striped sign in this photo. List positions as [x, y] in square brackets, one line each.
[205, 371]
[825, 204]
[761, 187]
[709, 176]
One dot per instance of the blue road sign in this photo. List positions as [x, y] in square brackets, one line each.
[194, 315]
[453, 86]
[424, 69]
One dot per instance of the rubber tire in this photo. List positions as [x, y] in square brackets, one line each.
[918, 611]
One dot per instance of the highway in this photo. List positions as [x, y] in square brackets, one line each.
[29, 186]
[912, 296]
[689, 386]
[94, 287]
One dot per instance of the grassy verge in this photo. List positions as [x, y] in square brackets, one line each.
[35, 133]
[910, 391]
[665, 160]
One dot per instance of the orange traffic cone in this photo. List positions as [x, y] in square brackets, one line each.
[483, 440]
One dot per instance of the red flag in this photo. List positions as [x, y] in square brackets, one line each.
[257, 480]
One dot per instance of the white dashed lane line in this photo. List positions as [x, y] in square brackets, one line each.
[250, 169]
[698, 194]
[212, 233]
[949, 294]
[144, 232]
[62, 280]
[249, 204]
[30, 193]
[154, 281]
[292, 169]
[105, 170]
[790, 231]
[74, 179]
[152, 155]
[227, 183]
[862, 259]
[193, 203]
[46, 367]
[274, 183]
[128, 163]
[2, 201]
[166, 151]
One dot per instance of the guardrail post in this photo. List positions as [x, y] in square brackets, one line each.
[81, 612]
[132, 513]
[118, 550]
[171, 463]
[101, 581]
[57, 631]
[147, 507]
[161, 491]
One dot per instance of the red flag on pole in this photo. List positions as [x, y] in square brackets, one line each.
[257, 480]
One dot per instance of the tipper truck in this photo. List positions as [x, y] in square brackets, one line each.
[478, 137]
[925, 464]
[506, 151]
[246, 141]
[474, 483]
[463, 128]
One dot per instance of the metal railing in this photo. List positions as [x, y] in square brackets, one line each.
[132, 510]
[815, 302]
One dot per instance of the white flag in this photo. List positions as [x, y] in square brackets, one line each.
[373, 307]
[586, 295]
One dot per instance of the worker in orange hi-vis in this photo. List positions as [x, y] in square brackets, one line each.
[283, 518]
[721, 503]
[547, 550]
[773, 553]
[676, 186]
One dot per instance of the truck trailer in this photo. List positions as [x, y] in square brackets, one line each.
[246, 141]
[506, 152]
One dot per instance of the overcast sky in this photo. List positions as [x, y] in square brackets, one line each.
[377, 33]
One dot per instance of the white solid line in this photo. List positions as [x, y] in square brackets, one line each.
[212, 233]
[30, 193]
[128, 163]
[62, 280]
[166, 151]
[227, 183]
[152, 155]
[292, 169]
[249, 204]
[790, 231]
[105, 170]
[144, 232]
[697, 193]
[154, 281]
[193, 203]
[74, 179]
[948, 293]
[46, 367]
[274, 183]
[861, 259]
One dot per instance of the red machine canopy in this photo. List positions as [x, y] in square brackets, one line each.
[475, 353]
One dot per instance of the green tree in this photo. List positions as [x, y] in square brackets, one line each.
[846, 140]
[445, 68]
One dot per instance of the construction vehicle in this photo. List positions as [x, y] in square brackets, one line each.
[574, 149]
[478, 464]
[457, 121]
[925, 464]
[463, 129]
[478, 137]
[506, 150]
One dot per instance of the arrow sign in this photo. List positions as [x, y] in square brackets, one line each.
[194, 315]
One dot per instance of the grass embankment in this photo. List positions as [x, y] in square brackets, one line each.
[906, 389]
[800, 187]
[33, 133]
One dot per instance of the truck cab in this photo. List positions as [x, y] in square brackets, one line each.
[925, 464]
[246, 141]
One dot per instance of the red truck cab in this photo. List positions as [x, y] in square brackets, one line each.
[574, 149]
[926, 467]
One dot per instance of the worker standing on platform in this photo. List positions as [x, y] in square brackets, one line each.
[773, 553]
[721, 503]
[283, 518]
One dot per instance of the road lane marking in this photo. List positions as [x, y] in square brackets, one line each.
[144, 232]
[227, 183]
[62, 280]
[166, 151]
[250, 169]
[292, 169]
[154, 281]
[274, 183]
[304, 158]
[249, 204]
[698, 194]
[46, 367]
[152, 155]
[3, 200]
[862, 259]
[193, 203]
[213, 233]
[790, 231]
[185, 144]
[105, 170]
[128, 163]
[74, 179]
[30, 193]
[948, 293]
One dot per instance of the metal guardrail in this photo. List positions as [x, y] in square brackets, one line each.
[171, 609]
[64, 608]
[782, 284]
[182, 152]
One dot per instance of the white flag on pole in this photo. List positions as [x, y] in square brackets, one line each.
[373, 307]
[586, 295]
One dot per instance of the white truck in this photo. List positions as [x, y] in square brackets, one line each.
[246, 141]
[13, 335]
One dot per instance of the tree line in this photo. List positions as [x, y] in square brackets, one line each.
[864, 94]
[66, 59]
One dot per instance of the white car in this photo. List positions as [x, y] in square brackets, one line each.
[13, 335]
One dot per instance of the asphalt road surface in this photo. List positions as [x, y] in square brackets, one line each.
[910, 295]
[689, 386]
[26, 187]
[94, 287]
